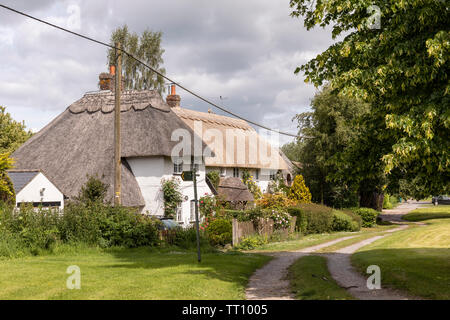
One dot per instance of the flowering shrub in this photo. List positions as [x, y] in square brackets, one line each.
[275, 200]
[299, 191]
[205, 224]
[281, 219]
[207, 205]
[251, 185]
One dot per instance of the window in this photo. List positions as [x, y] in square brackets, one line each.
[194, 165]
[192, 218]
[178, 166]
[273, 175]
[223, 172]
[257, 174]
[236, 172]
[179, 213]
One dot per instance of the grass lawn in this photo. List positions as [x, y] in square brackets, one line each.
[315, 239]
[142, 273]
[428, 212]
[310, 280]
[366, 234]
[416, 260]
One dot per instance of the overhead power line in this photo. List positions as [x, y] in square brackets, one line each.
[151, 68]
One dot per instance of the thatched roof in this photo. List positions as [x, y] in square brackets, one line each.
[79, 141]
[234, 190]
[243, 131]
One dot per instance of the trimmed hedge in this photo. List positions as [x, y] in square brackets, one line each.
[316, 218]
[368, 216]
[343, 222]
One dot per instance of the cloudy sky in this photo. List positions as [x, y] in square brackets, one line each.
[244, 51]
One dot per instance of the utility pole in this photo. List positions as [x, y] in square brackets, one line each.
[117, 151]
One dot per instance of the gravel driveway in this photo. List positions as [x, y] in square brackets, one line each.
[270, 283]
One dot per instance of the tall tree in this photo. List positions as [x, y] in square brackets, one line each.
[12, 133]
[6, 187]
[395, 57]
[332, 127]
[147, 48]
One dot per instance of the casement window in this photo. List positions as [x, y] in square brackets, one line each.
[178, 166]
[223, 172]
[257, 174]
[179, 213]
[273, 175]
[236, 172]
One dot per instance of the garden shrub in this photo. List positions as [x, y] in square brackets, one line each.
[274, 200]
[343, 222]
[299, 191]
[353, 215]
[319, 217]
[220, 232]
[368, 216]
[251, 242]
[302, 222]
[214, 177]
[172, 196]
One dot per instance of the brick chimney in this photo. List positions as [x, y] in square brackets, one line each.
[107, 81]
[173, 100]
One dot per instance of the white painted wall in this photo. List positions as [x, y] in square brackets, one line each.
[149, 171]
[32, 191]
[262, 181]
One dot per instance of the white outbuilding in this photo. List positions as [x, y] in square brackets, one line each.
[33, 187]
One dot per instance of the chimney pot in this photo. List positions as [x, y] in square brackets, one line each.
[173, 100]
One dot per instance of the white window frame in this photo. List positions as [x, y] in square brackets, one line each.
[236, 172]
[179, 215]
[223, 172]
[272, 175]
[178, 166]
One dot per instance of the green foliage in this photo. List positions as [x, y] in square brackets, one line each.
[7, 193]
[30, 230]
[401, 70]
[368, 216]
[343, 222]
[94, 190]
[274, 201]
[186, 238]
[207, 205]
[332, 128]
[214, 177]
[12, 133]
[299, 191]
[219, 232]
[251, 185]
[252, 242]
[301, 224]
[320, 218]
[147, 48]
[281, 219]
[172, 196]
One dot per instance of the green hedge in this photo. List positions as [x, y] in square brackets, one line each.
[316, 218]
[220, 232]
[343, 222]
[30, 231]
[368, 216]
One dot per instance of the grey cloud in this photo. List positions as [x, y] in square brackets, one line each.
[245, 51]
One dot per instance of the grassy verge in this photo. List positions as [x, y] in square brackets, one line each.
[416, 260]
[310, 280]
[315, 239]
[142, 273]
[428, 212]
[369, 233]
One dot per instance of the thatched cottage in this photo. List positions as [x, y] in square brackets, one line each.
[79, 142]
